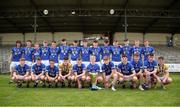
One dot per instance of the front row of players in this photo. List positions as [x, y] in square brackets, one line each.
[151, 74]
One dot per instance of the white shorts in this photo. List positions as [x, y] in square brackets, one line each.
[86, 63]
[45, 62]
[29, 63]
[161, 78]
[13, 65]
[116, 63]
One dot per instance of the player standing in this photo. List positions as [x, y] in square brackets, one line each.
[85, 53]
[64, 50]
[147, 50]
[54, 51]
[127, 49]
[45, 53]
[137, 49]
[28, 53]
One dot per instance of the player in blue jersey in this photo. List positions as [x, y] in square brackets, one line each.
[37, 72]
[75, 52]
[45, 53]
[116, 51]
[16, 55]
[96, 51]
[126, 72]
[52, 73]
[106, 49]
[28, 53]
[147, 50]
[127, 49]
[109, 72]
[93, 73]
[150, 70]
[137, 49]
[54, 52]
[138, 67]
[21, 73]
[79, 70]
[63, 50]
[85, 53]
[37, 52]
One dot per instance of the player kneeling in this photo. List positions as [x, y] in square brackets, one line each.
[150, 69]
[162, 74]
[79, 71]
[126, 72]
[52, 73]
[138, 66]
[93, 74]
[37, 74]
[65, 73]
[21, 73]
[109, 72]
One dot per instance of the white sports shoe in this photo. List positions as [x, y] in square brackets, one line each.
[113, 89]
[141, 88]
[99, 88]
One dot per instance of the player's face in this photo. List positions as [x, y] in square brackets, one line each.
[75, 43]
[136, 58]
[146, 43]
[45, 44]
[106, 44]
[85, 44]
[53, 44]
[38, 62]
[36, 46]
[51, 63]
[18, 45]
[151, 58]
[22, 62]
[63, 42]
[92, 59]
[65, 62]
[136, 43]
[95, 44]
[160, 61]
[79, 62]
[126, 42]
[124, 59]
[28, 44]
[106, 61]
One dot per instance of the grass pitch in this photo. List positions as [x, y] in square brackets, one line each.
[13, 96]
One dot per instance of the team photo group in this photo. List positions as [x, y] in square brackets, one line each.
[83, 66]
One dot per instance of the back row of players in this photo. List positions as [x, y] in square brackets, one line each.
[111, 55]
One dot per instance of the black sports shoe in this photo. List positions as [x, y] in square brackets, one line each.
[35, 84]
[50, 85]
[27, 85]
[123, 86]
[43, 85]
[19, 85]
[63, 84]
[56, 85]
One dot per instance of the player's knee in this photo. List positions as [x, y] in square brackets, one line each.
[88, 79]
[169, 80]
[99, 79]
[83, 78]
[135, 78]
[72, 78]
[115, 76]
[120, 79]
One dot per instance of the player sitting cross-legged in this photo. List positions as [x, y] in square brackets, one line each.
[52, 73]
[126, 72]
[79, 70]
[21, 73]
[162, 74]
[37, 74]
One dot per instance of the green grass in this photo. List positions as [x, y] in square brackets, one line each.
[11, 96]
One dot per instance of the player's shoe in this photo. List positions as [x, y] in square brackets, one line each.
[99, 88]
[35, 84]
[141, 88]
[113, 89]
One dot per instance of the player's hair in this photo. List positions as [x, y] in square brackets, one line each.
[115, 41]
[95, 41]
[124, 55]
[53, 42]
[125, 40]
[36, 43]
[63, 40]
[51, 60]
[18, 41]
[84, 40]
[29, 41]
[22, 59]
[66, 58]
[106, 41]
[151, 54]
[38, 58]
[75, 41]
[79, 59]
[161, 57]
[136, 54]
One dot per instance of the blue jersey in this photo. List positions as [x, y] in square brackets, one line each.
[93, 68]
[85, 53]
[146, 51]
[150, 66]
[127, 50]
[137, 50]
[37, 69]
[22, 70]
[16, 54]
[37, 53]
[54, 54]
[28, 53]
[52, 72]
[79, 69]
[106, 51]
[137, 65]
[116, 53]
[97, 52]
[45, 53]
[75, 52]
[64, 52]
[107, 68]
[126, 69]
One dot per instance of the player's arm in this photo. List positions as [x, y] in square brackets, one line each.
[60, 73]
[27, 73]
